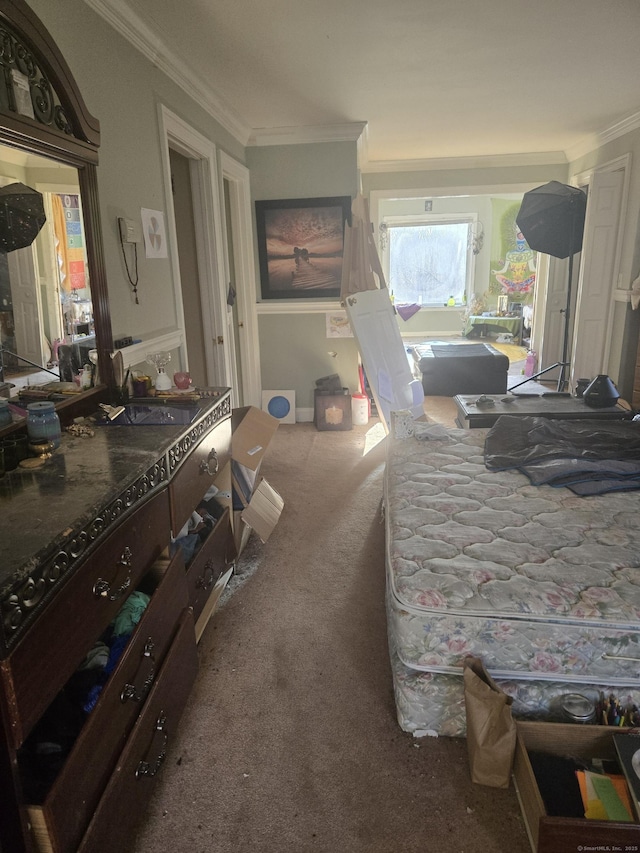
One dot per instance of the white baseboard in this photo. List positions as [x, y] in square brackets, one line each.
[304, 416]
[430, 336]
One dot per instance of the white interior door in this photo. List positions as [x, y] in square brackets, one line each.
[549, 316]
[243, 318]
[598, 271]
[375, 328]
[27, 311]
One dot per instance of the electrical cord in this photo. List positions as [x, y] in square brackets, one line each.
[134, 284]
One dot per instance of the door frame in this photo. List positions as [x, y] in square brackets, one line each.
[481, 190]
[584, 179]
[240, 214]
[209, 235]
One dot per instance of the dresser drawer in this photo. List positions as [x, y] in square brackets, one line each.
[210, 563]
[57, 642]
[198, 473]
[141, 761]
[71, 802]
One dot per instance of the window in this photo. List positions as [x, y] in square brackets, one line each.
[429, 260]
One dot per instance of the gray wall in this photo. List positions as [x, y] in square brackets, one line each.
[123, 89]
[294, 348]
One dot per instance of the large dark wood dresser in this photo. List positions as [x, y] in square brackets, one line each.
[80, 537]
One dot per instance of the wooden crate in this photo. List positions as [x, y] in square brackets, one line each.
[558, 834]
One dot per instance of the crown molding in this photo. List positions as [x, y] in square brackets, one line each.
[129, 25]
[345, 132]
[597, 140]
[132, 27]
[492, 161]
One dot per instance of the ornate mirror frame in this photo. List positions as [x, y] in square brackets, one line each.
[62, 129]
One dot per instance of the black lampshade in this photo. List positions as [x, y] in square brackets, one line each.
[21, 216]
[551, 219]
[601, 393]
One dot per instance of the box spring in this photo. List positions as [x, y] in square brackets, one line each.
[543, 585]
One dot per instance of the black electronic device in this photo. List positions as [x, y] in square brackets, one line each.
[601, 393]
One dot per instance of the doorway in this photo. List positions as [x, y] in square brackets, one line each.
[221, 245]
[207, 243]
[196, 357]
[243, 316]
[499, 275]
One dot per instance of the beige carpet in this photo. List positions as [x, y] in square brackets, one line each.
[290, 741]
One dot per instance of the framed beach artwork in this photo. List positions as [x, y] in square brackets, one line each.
[300, 246]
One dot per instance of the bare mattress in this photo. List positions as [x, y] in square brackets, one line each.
[541, 583]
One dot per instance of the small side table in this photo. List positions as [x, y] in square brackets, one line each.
[478, 325]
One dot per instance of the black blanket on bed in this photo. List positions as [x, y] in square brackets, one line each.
[588, 456]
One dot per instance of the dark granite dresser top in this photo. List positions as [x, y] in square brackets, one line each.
[51, 517]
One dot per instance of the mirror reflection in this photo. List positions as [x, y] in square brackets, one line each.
[47, 331]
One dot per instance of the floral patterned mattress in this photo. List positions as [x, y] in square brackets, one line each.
[543, 585]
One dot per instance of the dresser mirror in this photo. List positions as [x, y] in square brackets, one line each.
[46, 310]
[54, 309]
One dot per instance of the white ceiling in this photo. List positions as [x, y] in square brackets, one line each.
[430, 79]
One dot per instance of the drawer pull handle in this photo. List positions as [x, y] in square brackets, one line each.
[102, 588]
[208, 576]
[205, 464]
[150, 768]
[130, 691]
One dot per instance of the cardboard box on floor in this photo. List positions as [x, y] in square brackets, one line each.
[256, 505]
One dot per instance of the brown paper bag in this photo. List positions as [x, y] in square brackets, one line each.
[491, 730]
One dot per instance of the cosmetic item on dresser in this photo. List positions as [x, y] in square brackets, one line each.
[182, 380]
[43, 423]
[5, 413]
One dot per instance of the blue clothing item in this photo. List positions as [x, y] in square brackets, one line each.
[189, 544]
[118, 645]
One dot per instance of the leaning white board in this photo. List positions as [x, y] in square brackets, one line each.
[375, 328]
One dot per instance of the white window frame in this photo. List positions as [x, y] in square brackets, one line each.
[470, 219]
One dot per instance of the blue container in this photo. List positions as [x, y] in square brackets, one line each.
[43, 423]
[5, 413]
